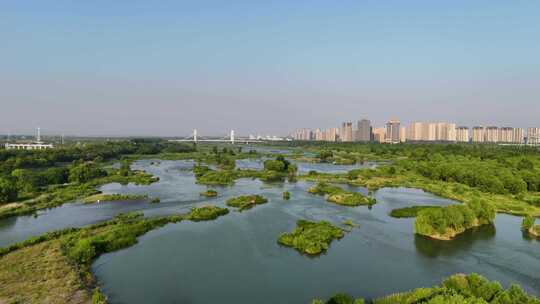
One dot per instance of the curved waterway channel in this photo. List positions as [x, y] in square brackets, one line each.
[236, 258]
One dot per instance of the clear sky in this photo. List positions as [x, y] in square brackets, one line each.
[105, 67]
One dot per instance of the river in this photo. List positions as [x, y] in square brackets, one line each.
[236, 258]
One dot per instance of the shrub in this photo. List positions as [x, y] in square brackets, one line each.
[446, 222]
[206, 213]
[209, 193]
[527, 223]
[286, 195]
[245, 202]
[410, 211]
[311, 237]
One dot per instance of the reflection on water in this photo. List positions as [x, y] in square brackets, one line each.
[463, 242]
[528, 237]
[236, 258]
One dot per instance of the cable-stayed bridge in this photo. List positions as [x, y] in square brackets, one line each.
[230, 138]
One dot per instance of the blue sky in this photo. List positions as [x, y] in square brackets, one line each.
[163, 68]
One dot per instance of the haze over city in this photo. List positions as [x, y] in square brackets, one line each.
[141, 68]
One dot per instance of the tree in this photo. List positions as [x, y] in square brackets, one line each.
[85, 172]
[124, 168]
[527, 223]
[325, 155]
[25, 180]
[56, 175]
[525, 164]
[8, 191]
[274, 165]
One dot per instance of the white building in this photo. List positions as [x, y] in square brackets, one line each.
[37, 145]
[533, 136]
[31, 146]
[462, 134]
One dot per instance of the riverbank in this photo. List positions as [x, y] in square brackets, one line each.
[459, 288]
[57, 195]
[245, 202]
[56, 266]
[337, 195]
[311, 238]
[102, 197]
[445, 223]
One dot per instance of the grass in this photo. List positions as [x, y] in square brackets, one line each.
[55, 267]
[445, 223]
[96, 198]
[56, 195]
[209, 193]
[40, 274]
[245, 202]
[206, 213]
[311, 238]
[529, 227]
[223, 178]
[374, 180]
[409, 212]
[350, 223]
[457, 289]
[337, 195]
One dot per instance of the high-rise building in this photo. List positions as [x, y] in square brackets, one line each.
[319, 135]
[533, 136]
[462, 134]
[445, 131]
[451, 133]
[492, 134]
[393, 131]
[363, 133]
[379, 134]
[414, 132]
[402, 134]
[506, 135]
[478, 134]
[302, 134]
[346, 133]
[519, 135]
[331, 134]
[428, 131]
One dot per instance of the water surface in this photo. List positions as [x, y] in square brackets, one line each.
[236, 258]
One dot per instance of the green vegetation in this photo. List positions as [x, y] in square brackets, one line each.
[507, 177]
[350, 223]
[245, 202]
[409, 211]
[56, 265]
[207, 176]
[31, 180]
[155, 200]
[528, 226]
[337, 195]
[206, 213]
[339, 298]
[446, 222]
[209, 193]
[457, 289]
[286, 195]
[97, 198]
[325, 156]
[277, 170]
[311, 238]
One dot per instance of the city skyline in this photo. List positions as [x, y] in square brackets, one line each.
[394, 131]
[137, 68]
